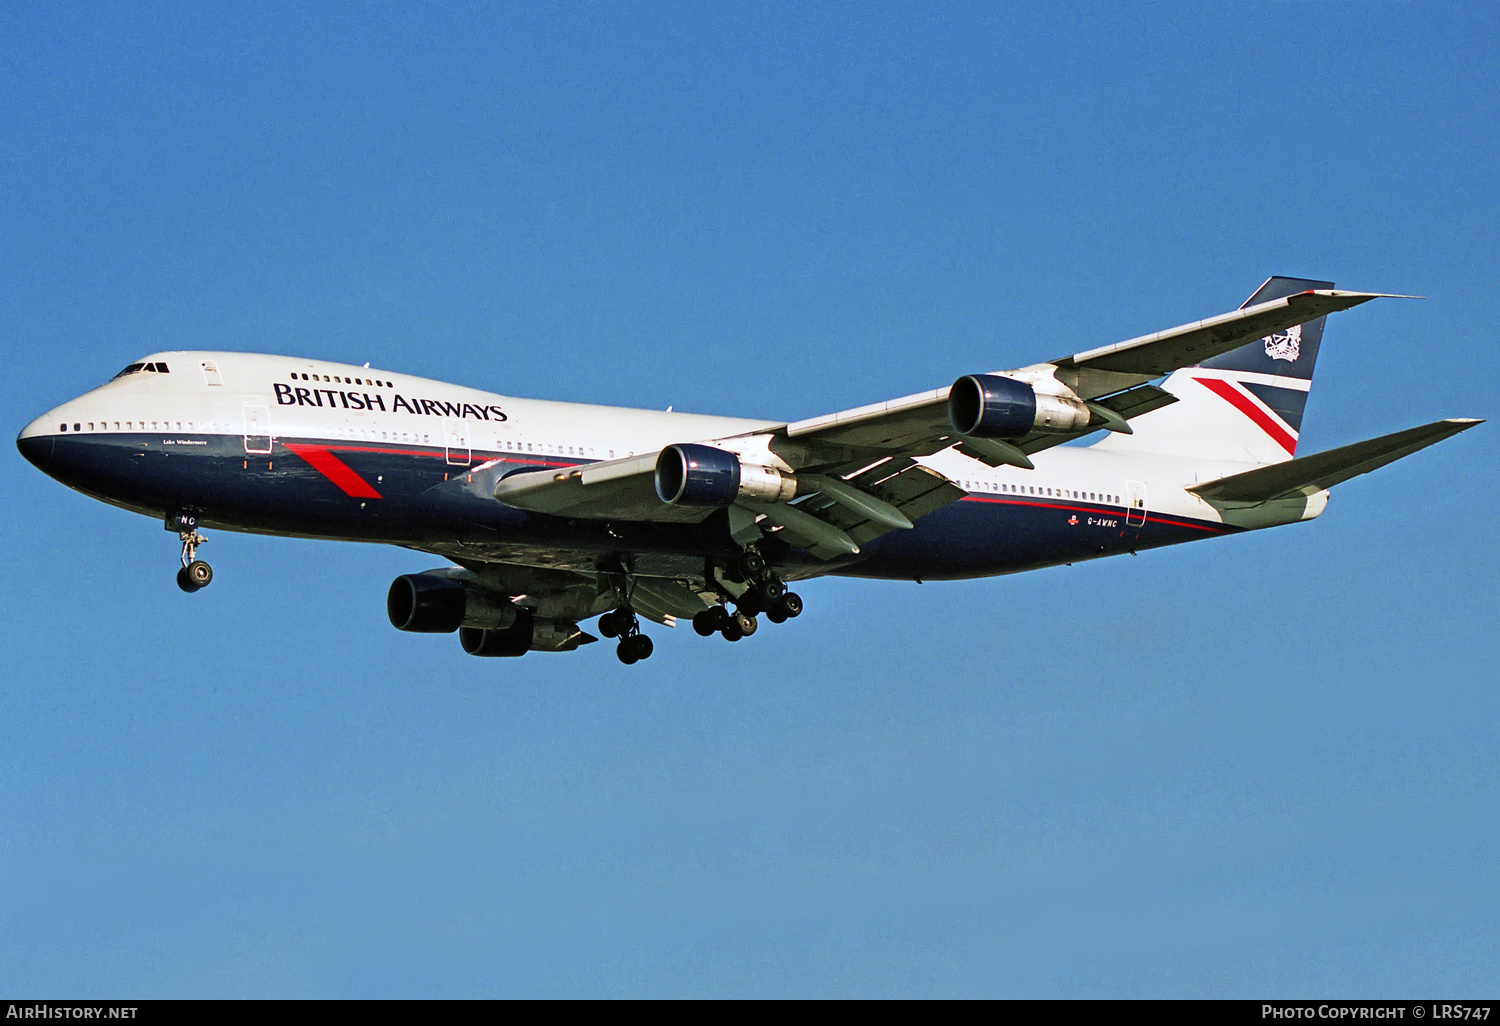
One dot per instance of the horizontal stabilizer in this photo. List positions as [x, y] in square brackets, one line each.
[1308, 475]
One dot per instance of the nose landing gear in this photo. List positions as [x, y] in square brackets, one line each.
[195, 573]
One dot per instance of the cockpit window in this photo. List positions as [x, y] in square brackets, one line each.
[137, 368]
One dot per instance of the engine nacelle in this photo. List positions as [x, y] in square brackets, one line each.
[527, 634]
[514, 640]
[700, 475]
[431, 603]
[992, 406]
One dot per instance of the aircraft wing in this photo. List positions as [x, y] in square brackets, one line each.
[861, 462]
[622, 489]
[849, 505]
[1307, 475]
[1151, 356]
[918, 424]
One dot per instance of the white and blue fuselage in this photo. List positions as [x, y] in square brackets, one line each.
[305, 448]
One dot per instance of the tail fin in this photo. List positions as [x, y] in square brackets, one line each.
[1246, 404]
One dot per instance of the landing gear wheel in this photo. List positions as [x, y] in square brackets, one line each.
[790, 605]
[622, 623]
[775, 615]
[198, 573]
[731, 629]
[633, 648]
[770, 592]
[752, 565]
[707, 622]
[747, 624]
[195, 573]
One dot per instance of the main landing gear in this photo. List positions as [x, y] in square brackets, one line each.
[760, 591]
[719, 620]
[622, 623]
[195, 573]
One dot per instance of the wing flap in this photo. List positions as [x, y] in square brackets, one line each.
[1308, 475]
[900, 482]
[664, 600]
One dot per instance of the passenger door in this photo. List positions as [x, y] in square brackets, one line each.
[1135, 503]
[456, 433]
[257, 429]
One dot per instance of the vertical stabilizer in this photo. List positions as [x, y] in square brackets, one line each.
[1244, 405]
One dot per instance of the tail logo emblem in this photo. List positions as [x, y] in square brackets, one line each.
[1286, 346]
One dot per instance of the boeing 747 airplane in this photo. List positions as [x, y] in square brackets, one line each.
[553, 513]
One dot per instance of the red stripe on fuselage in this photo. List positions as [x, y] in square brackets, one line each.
[1094, 510]
[1241, 402]
[335, 469]
[529, 461]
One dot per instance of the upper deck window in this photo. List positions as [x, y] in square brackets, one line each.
[339, 378]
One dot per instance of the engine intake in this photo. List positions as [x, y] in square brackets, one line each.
[432, 603]
[993, 406]
[701, 475]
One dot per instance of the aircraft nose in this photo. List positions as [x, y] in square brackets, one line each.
[35, 443]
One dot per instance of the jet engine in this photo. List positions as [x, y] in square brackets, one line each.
[432, 603]
[701, 475]
[992, 406]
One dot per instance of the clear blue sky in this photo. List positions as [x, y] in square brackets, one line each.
[1260, 765]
